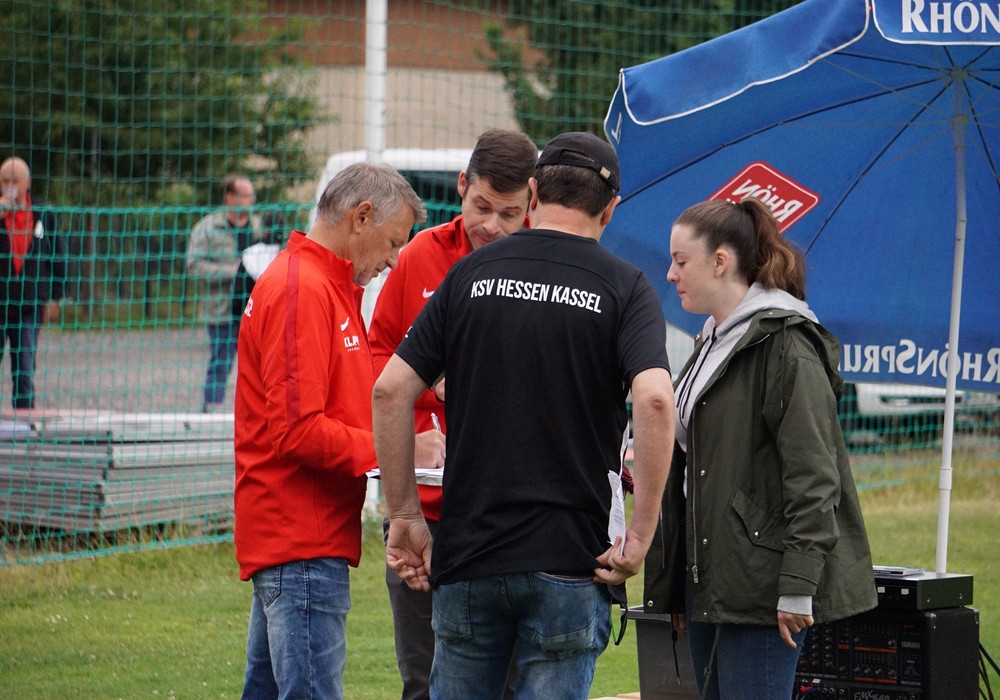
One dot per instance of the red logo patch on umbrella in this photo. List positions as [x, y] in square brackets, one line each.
[787, 199]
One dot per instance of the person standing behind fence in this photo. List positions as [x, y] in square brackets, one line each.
[766, 528]
[33, 264]
[303, 434]
[494, 192]
[213, 257]
[255, 258]
[540, 336]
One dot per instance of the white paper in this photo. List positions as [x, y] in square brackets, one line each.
[616, 521]
[257, 257]
[425, 477]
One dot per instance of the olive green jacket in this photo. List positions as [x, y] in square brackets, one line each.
[771, 507]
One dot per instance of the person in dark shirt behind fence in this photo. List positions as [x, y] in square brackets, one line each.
[33, 265]
[255, 259]
[213, 257]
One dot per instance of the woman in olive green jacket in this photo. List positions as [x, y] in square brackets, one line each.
[762, 533]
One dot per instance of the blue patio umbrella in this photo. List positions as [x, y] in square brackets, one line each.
[872, 130]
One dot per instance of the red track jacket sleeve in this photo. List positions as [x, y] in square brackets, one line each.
[303, 412]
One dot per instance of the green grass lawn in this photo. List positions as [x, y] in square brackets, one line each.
[172, 623]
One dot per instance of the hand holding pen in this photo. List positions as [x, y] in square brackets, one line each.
[437, 426]
[428, 450]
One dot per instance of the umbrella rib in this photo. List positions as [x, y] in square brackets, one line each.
[938, 71]
[982, 143]
[864, 173]
[987, 85]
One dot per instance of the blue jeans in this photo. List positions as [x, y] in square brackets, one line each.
[21, 326]
[751, 662]
[296, 644]
[561, 625]
[222, 339]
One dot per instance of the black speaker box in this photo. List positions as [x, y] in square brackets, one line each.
[659, 678]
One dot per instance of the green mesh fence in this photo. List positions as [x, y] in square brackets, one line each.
[129, 114]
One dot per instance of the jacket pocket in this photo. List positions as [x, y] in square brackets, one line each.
[762, 528]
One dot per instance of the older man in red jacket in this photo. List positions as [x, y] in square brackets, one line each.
[304, 433]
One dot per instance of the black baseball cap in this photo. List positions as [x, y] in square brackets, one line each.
[583, 150]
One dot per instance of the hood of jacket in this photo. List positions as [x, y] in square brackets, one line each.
[755, 300]
[761, 313]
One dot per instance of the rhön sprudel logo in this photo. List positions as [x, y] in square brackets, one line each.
[787, 199]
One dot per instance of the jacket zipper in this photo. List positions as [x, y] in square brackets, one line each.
[693, 485]
[693, 489]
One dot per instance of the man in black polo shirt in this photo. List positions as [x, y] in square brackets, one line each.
[541, 336]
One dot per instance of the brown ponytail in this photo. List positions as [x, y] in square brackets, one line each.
[781, 265]
[749, 229]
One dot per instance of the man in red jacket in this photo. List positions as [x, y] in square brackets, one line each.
[303, 434]
[494, 192]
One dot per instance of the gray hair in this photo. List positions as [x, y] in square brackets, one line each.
[377, 183]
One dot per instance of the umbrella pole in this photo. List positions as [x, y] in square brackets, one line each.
[958, 123]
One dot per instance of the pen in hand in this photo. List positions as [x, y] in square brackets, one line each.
[437, 427]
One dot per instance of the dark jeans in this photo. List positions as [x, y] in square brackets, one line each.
[411, 622]
[222, 339]
[21, 326]
[744, 662]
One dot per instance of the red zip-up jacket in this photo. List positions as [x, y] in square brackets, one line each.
[423, 263]
[303, 435]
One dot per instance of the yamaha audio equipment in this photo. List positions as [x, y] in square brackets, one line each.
[892, 654]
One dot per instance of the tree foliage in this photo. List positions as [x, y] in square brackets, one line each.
[128, 102]
[561, 61]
